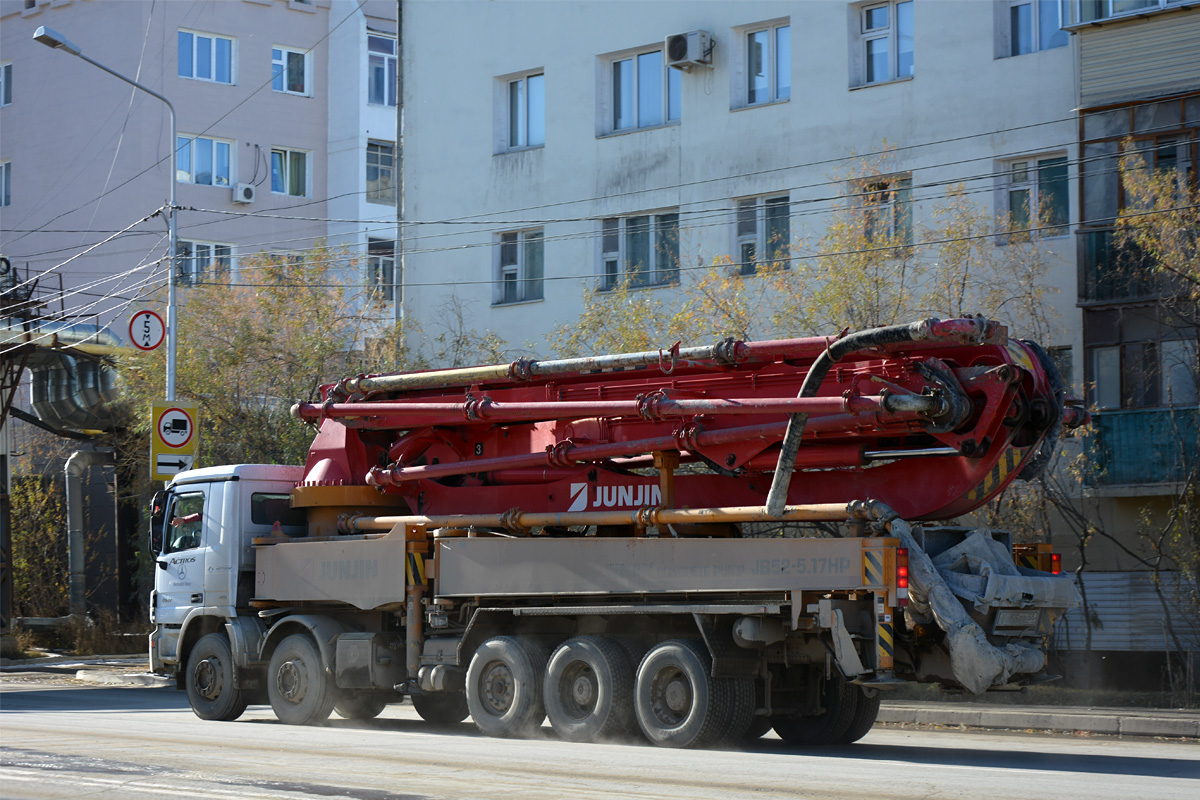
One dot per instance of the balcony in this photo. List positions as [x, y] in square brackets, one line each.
[1132, 450]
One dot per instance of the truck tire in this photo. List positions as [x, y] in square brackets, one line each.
[589, 690]
[209, 680]
[840, 701]
[441, 708]
[359, 705]
[677, 701]
[504, 687]
[300, 692]
[741, 708]
[866, 711]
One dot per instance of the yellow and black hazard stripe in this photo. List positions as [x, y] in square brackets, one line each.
[998, 474]
[873, 568]
[1030, 561]
[885, 635]
[414, 570]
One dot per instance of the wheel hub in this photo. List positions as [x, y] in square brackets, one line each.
[671, 696]
[583, 691]
[208, 678]
[678, 696]
[291, 681]
[498, 687]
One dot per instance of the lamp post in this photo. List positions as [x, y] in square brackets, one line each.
[57, 41]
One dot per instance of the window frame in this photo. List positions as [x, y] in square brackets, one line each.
[899, 205]
[289, 153]
[1136, 336]
[6, 70]
[862, 36]
[5, 183]
[757, 240]
[284, 62]
[222, 263]
[671, 88]
[1007, 39]
[391, 193]
[389, 81]
[381, 269]
[213, 56]
[657, 274]
[742, 74]
[190, 157]
[1034, 171]
[1105, 7]
[524, 131]
[525, 289]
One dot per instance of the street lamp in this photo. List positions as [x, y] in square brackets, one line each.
[57, 41]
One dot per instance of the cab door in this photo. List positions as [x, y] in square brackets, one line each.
[179, 577]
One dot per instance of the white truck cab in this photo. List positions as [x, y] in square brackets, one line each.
[201, 531]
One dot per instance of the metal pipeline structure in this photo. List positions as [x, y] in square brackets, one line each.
[769, 430]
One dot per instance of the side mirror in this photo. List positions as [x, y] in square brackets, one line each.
[158, 508]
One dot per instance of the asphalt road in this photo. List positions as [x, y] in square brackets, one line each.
[69, 741]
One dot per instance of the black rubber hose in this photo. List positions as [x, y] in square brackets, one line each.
[891, 334]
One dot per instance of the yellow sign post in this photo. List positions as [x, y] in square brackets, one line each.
[174, 438]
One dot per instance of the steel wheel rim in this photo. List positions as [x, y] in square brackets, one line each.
[671, 696]
[497, 688]
[579, 690]
[292, 680]
[209, 678]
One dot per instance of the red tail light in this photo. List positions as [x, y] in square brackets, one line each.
[1056, 563]
[902, 575]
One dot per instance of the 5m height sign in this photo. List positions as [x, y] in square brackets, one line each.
[147, 330]
[174, 439]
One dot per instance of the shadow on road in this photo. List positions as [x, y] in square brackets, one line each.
[1011, 758]
[91, 698]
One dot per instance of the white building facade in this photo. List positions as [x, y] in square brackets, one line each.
[274, 118]
[570, 156]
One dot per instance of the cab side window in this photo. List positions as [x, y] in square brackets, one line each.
[184, 522]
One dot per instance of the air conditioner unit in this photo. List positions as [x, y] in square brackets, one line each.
[243, 193]
[685, 50]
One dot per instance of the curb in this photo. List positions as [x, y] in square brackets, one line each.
[107, 677]
[1108, 721]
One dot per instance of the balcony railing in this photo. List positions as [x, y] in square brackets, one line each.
[1143, 446]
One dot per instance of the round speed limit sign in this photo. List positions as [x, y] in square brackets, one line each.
[147, 330]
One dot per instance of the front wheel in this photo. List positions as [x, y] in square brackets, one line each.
[300, 692]
[209, 680]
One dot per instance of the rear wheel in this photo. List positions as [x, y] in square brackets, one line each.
[209, 680]
[504, 687]
[359, 706]
[866, 710]
[840, 700]
[300, 692]
[678, 702]
[441, 708]
[589, 690]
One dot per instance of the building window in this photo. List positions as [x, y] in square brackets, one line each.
[641, 249]
[203, 161]
[1140, 356]
[289, 71]
[769, 64]
[381, 70]
[289, 172]
[5, 183]
[1036, 196]
[1030, 26]
[885, 42]
[519, 267]
[381, 172]
[527, 111]
[195, 261]
[1092, 10]
[763, 232]
[6, 84]
[644, 92]
[381, 269]
[886, 203]
[204, 57]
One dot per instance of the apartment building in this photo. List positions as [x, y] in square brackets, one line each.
[281, 105]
